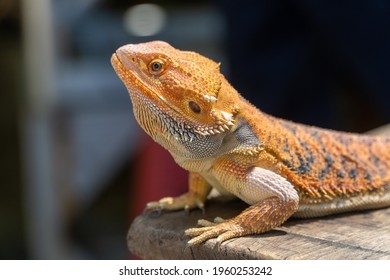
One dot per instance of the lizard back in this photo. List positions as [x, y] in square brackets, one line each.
[331, 168]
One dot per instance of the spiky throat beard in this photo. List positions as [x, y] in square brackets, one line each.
[174, 132]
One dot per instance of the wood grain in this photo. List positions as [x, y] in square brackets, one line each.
[359, 235]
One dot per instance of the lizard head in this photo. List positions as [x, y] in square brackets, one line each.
[175, 91]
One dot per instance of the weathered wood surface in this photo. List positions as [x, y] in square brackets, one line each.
[359, 235]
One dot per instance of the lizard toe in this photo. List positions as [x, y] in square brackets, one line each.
[219, 220]
[203, 235]
[205, 223]
[222, 231]
[228, 235]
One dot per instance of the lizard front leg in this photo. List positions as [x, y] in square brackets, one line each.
[273, 200]
[195, 197]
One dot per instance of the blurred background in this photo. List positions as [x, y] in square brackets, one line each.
[75, 168]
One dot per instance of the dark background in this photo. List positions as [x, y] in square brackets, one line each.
[74, 166]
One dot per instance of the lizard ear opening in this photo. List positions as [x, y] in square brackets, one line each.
[194, 107]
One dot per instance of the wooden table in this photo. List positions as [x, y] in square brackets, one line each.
[359, 235]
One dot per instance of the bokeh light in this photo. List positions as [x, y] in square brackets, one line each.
[144, 20]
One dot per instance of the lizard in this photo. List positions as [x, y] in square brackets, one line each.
[279, 167]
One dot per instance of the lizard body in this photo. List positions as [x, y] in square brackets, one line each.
[280, 168]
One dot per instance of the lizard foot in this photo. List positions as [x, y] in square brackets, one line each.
[220, 229]
[186, 201]
[260, 217]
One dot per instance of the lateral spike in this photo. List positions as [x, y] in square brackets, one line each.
[213, 99]
[227, 116]
[209, 98]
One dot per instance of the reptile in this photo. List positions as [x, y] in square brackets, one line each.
[278, 167]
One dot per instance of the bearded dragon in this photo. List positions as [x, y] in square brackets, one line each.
[280, 168]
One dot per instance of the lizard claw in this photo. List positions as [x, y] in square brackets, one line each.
[153, 211]
[201, 206]
[187, 210]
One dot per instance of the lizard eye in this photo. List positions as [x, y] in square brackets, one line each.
[194, 107]
[156, 66]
